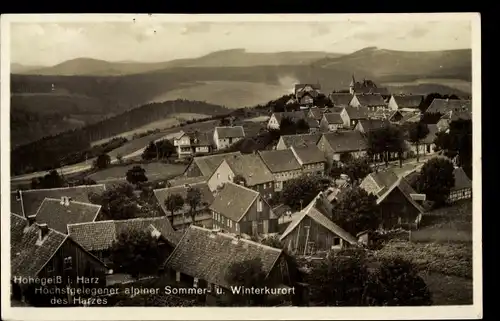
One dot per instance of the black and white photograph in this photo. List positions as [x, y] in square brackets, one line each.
[241, 166]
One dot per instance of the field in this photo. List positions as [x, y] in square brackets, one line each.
[459, 84]
[160, 124]
[154, 171]
[231, 94]
[258, 119]
[442, 250]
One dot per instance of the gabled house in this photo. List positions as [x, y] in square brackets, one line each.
[282, 164]
[405, 101]
[311, 231]
[250, 167]
[28, 202]
[337, 143]
[98, 237]
[226, 136]
[383, 114]
[367, 125]
[331, 122]
[37, 251]
[340, 100]
[287, 141]
[206, 165]
[351, 116]
[239, 210]
[311, 159]
[276, 118]
[203, 258]
[402, 116]
[183, 180]
[443, 106]
[370, 101]
[315, 113]
[182, 216]
[313, 125]
[58, 213]
[396, 199]
[366, 87]
[462, 189]
[444, 122]
[306, 93]
[192, 143]
[425, 146]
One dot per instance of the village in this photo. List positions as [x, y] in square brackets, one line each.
[363, 185]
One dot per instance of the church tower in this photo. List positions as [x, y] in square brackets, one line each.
[351, 85]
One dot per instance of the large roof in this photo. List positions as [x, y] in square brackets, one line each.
[408, 101]
[444, 106]
[208, 164]
[309, 154]
[369, 100]
[300, 140]
[462, 181]
[162, 195]
[251, 167]
[230, 132]
[373, 124]
[233, 201]
[280, 160]
[346, 141]
[340, 99]
[209, 255]
[333, 118]
[355, 113]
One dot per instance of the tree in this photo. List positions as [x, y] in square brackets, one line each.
[136, 252]
[239, 179]
[335, 170]
[248, 274]
[102, 161]
[301, 127]
[287, 126]
[193, 198]
[158, 150]
[300, 191]
[272, 241]
[436, 180]
[119, 158]
[224, 121]
[416, 133]
[345, 157]
[397, 283]
[458, 142]
[174, 202]
[50, 180]
[357, 169]
[386, 140]
[118, 203]
[136, 175]
[356, 211]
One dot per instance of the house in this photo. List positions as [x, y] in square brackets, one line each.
[315, 113]
[58, 213]
[202, 259]
[250, 168]
[331, 122]
[340, 100]
[206, 165]
[384, 114]
[306, 93]
[311, 231]
[396, 199]
[443, 106]
[444, 122]
[28, 201]
[336, 144]
[226, 136]
[351, 116]
[37, 251]
[366, 87]
[371, 101]
[182, 216]
[282, 164]
[367, 125]
[425, 146]
[287, 141]
[192, 143]
[98, 237]
[313, 125]
[239, 210]
[402, 116]
[462, 189]
[183, 180]
[405, 101]
[311, 159]
[276, 118]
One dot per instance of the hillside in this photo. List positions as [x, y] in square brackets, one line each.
[225, 58]
[21, 69]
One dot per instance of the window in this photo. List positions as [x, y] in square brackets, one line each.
[336, 241]
[213, 215]
[259, 206]
[230, 177]
[177, 276]
[195, 282]
[68, 263]
[230, 223]
[237, 227]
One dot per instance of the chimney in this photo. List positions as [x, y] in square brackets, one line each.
[67, 201]
[63, 200]
[44, 230]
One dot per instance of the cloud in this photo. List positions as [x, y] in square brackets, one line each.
[418, 32]
[195, 27]
[319, 29]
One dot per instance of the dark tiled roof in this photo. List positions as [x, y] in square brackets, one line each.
[208, 164]
[200, 139]
[15, 204]
[334, 109]
[100, 235]
[357, 113]
[28, 254]
[293, 115]
[377, 90]
[405, 188]
[380, 114]
[309, 154]
[301, 140]
[371, 100]
[333, 118]
[317, 113]
[340, 99]
[431, 136]
[444, 106]
[207, 255]
[302, 86]
[251, 167]
[233, 201]
[461, 179]
[346, 141]
[456, 115]
[384, 180]
[230, 132]
[32, 199]
[181, 181]
[280, 160]
[373, 124]
[408, 101]
[312, 123]
[58, 216]
[163, 193]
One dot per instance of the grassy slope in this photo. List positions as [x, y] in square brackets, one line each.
[154, 171]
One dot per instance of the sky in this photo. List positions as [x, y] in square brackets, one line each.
[50, 43]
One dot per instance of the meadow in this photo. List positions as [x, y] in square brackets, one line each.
[154, 171]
